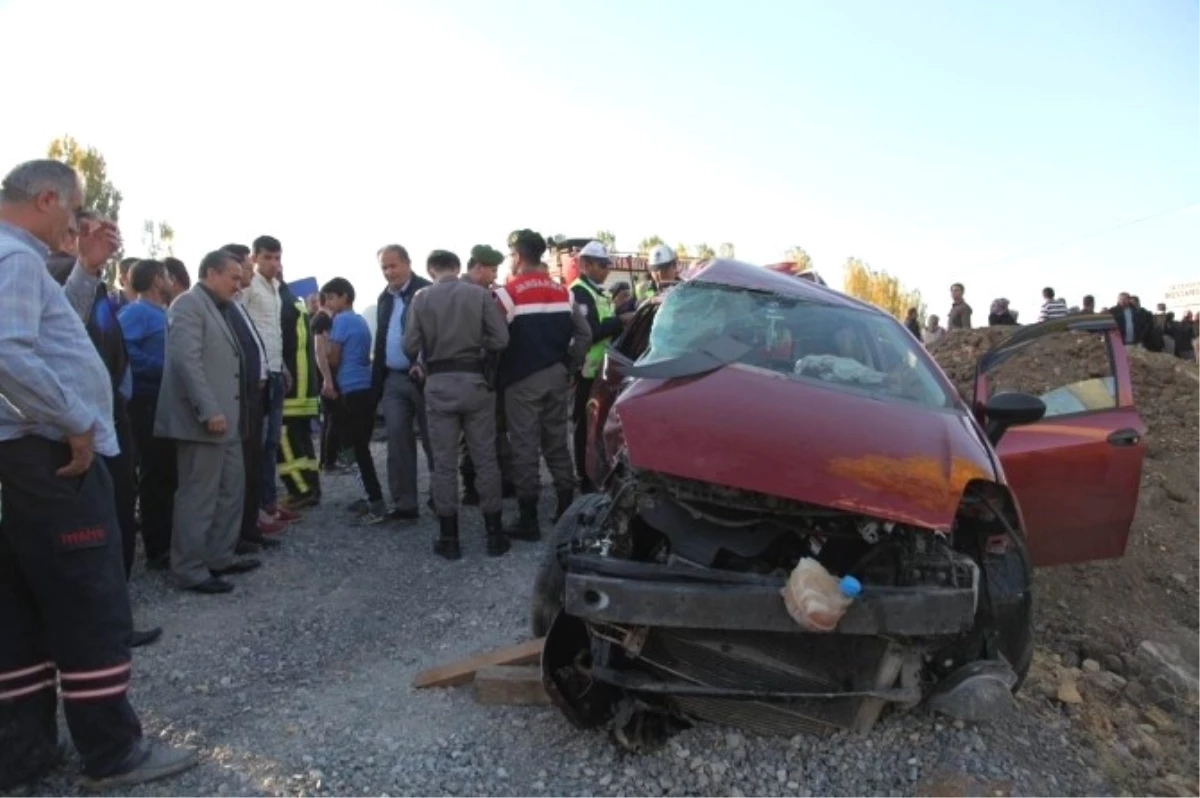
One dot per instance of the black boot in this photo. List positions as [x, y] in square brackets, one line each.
[564, 497]
[447, 542]
[526, 527]
[497, 543]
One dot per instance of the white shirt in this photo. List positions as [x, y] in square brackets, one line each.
[263, 304]
[239, 302]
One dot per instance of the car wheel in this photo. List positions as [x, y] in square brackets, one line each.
[551, 580]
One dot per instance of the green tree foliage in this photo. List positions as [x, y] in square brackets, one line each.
[704, 251]
[798, 256]
[726, 250]
[158, 238]
[101, 196]
[880, 289]
[608, 239]
[682, 252]
[648, 244]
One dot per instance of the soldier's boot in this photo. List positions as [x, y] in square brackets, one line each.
[497, 542]
[447, 543]
[526, 527]
[470, 497]
[564, 499]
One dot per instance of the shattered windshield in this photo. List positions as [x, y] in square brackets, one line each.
[832, 345]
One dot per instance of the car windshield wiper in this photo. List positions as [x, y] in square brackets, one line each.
[708, 356]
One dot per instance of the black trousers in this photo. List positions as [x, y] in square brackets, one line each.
[252, 459]
[356, 423]
[157, 478]
[123, 470]
[583, 391]
[63, 606]
[331, 439]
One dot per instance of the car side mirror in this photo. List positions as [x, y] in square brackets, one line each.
[1011, 409]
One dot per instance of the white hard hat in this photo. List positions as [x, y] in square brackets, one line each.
[661, 255]
[594, 249]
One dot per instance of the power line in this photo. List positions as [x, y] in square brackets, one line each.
[1093, 234]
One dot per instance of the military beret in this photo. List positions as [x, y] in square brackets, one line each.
[525, 235]
[486, 255]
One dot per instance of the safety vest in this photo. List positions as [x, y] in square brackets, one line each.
[644, 290]
[303, 399]
[604, 311]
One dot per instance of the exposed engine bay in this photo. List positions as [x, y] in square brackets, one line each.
[661, 603]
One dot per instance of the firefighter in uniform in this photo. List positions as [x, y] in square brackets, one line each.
[65, 620]
[481, 271]
[453, 326]
[548, 337]
[298, 465]
[605, 325]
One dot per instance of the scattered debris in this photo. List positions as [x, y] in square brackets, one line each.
[462, 671]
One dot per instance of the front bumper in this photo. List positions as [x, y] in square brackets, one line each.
[602, 590]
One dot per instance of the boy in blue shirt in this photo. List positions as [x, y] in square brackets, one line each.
[349, 355]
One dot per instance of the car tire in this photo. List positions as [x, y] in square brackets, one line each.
[551, 580]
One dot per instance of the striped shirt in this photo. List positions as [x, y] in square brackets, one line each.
[52, 380]
[1053, 309]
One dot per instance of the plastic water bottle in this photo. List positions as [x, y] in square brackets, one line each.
[815, 598]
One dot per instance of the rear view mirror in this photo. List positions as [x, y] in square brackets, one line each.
[1011, 409]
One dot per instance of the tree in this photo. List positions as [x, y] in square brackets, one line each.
[726, 250]
[608, 239]
[682, 252]
[158, 238]
[881, 289]
[798, 256]
[704, 252]
[100, 196]
[648, 244]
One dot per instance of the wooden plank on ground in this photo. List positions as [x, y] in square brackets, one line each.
[511, 685]
[463, 670]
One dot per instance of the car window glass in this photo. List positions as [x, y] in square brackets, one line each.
[636, 337]
[830, 345]
[1070, 371]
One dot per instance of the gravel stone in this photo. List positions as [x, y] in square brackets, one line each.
[321, 644]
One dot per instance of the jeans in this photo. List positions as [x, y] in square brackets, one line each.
[272, 429]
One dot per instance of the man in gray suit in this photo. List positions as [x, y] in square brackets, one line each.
[201, 406]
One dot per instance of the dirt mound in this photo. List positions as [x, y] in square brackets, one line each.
[1104, 610]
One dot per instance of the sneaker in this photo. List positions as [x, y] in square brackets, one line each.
[148, 761]
[359, 507]
[270, 527]
[281, 513]
[376, 514]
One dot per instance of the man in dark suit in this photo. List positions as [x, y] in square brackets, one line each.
[1135, 323]
[202, 406]
[397, 381]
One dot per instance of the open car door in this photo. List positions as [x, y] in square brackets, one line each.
[623, 352]
[1075, 473]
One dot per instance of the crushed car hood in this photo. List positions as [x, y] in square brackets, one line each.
[756, 430]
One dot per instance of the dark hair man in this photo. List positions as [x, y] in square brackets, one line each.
[66, 607]
[348, 353]
[1089, 304]
[452, 323]
[144, 328]
[548, 337]
[959, 317]
[255, 527]
[180, 279]
[1052, 307]
[204, 412]
[396, 380]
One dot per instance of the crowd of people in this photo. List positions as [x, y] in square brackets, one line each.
[176, 410]
[1159, 331]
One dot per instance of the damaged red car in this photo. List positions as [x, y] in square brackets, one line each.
[751, 421]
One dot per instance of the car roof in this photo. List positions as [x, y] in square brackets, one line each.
[759, 278]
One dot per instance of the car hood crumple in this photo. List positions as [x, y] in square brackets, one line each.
[757, 430]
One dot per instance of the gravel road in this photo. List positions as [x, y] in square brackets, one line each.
[298, 683]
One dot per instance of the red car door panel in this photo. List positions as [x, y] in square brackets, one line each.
[1075, 473]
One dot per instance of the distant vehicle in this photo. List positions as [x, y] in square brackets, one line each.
[751, 420]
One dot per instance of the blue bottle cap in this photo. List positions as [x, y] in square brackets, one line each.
[850, 586]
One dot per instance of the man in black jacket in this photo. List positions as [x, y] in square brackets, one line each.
[397, 382]
[1136, 323]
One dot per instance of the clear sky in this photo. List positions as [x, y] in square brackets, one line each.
[941, 140]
